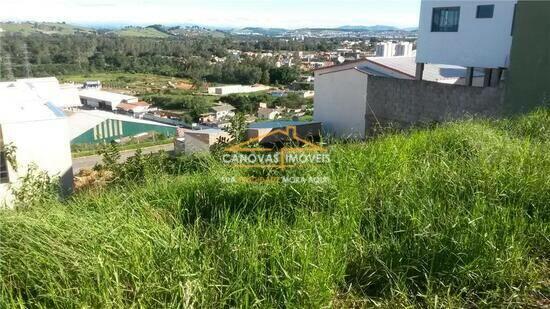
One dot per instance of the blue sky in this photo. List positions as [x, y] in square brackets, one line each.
[234, 13]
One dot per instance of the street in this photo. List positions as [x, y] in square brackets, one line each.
[91, 161]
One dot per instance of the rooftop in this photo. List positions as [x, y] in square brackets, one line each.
[105, 95]
[20, 103]
[223, 108]
[82, 121]
[407, 66]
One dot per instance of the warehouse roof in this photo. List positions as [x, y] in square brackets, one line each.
[18, 103]
[106, 96]
[82, 121]
[48, 88]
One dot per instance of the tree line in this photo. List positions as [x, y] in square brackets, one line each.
[48, 55]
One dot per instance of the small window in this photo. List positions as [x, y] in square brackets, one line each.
[445, 19]
[485, 11]
[4, 175]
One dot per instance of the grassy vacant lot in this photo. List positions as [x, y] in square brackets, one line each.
[146, 32]
[134, 82]
[453, 216]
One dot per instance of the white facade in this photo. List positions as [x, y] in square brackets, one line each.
[478, 42]
[340, 102]
[394, 49]
[230, 89]
[39, 132]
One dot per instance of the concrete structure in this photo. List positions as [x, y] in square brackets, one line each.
[230, 89]
[341, 91]
[473, 34]
[407, 102]
[104, 100]
[38, 131]
[202, 140]
[92, 127]
[353, 102]
[528, 82]
[394, 49]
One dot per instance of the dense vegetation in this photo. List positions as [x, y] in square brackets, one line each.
[172, 56]
[453, 216]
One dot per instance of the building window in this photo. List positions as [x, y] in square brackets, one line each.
[4, 175]
[445, 19]
[485, 11]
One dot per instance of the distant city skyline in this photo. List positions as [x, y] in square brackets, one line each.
[219, 13]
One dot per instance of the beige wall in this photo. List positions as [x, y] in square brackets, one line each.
[340, 102]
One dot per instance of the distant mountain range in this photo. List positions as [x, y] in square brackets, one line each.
[161, 31]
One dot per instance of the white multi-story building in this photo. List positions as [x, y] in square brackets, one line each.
[38, 133]
[474, 34]
[394, 49]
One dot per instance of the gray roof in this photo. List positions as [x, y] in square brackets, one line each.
[223, 108]
[407, 67]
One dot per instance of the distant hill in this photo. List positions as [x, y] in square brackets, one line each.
[368, 28]
[28, 28]
[261, 31]
[145, 32]
[192, 31]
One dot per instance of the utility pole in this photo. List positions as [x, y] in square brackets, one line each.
[9, 71]
[28, 71]
[1, 53]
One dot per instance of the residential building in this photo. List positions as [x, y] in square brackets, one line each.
[92, 84]
[39, 134]
[528, 78]
[261, 130]
[218, 116]
[473, 34]
[104, 100]
[223, 110]
[95, 126]
[341, 91]
[201, 140]
[268, 113]
[230, 89]
[138, 108]
[394, 49]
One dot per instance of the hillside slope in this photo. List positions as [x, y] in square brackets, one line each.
[454, 216]
[27, 28]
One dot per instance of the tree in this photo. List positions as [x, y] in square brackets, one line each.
[283, 75]
[237, 129]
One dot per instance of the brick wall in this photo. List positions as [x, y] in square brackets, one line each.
[411, 101]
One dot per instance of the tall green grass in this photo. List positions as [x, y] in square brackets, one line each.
[455, 216]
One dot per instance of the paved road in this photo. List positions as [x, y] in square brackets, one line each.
[91, 161]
